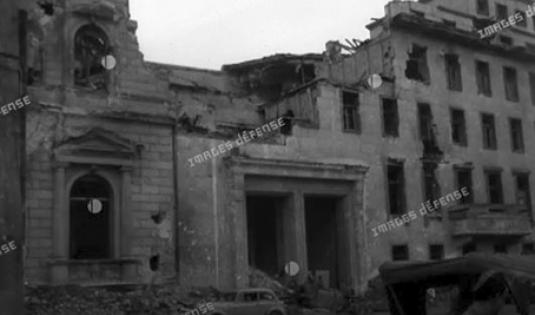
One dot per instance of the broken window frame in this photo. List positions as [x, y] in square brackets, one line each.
[524, 21]
[436, 251]
[417, 68]
[351, 121]
[493, 179]
[517, 135]
[400, 252]
[463, 178]
[91, 44]
[488, 127]
[390, 115]
[482, 7]
[458, 127]
[453, 72]
[510, 79]
[483, 81]
[395, 176]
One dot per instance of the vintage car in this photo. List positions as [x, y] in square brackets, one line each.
[450, 287]
[249, 302]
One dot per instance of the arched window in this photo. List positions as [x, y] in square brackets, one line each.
[90, 218]
[91, 45]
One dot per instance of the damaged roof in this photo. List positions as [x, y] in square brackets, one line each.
[286, 58]
[191, 78]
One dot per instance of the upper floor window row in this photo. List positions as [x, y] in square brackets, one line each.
[417, 70]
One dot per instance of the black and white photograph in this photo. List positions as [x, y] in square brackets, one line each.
[267, 157]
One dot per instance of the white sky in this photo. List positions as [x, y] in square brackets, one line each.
[210, 33]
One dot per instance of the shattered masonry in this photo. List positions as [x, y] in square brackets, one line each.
[118, 136]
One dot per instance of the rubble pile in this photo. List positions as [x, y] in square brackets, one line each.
[68, 300]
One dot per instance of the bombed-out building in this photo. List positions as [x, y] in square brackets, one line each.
[140, 172]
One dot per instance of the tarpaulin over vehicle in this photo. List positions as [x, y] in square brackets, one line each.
[519, 266]
[406, 282]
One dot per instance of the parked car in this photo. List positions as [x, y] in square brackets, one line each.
[249, 302]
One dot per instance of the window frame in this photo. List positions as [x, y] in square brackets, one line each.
[510, 80]
[440, 248]
[497, 11]
[490, 143]
[482, 10]
[494, 192]
[454, 76]
[483, 78]
[515, 124]
[355, 112]
[392, 131]
[394, 250]
[401, 206]
[468, 170]
[454, 124]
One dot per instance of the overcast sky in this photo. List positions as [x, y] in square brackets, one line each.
[210, 33]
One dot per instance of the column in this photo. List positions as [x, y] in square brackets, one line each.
[61, 224]
[123, 226]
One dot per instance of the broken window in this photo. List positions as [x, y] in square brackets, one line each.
[523, 196]
[436, 252]
[396, 188]
[463, 177]
[532, 87]
[483, 78]
[482, 7]
[431, 186]
[417, 68]
[400, 252]
[287, 121]
[511, 85]
[458, 127]
[517, 136]
[521, 22]
[494, 186]
[489, 132]
[390, 118]
[91, 45]
[351, 114]
[90, 218]
[501, 12]
[453, 72]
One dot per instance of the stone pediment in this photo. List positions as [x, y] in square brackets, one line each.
[98, 146]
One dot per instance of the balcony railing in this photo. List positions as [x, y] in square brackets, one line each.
[490, 220]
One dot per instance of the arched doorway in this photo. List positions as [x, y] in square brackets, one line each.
[90, 202]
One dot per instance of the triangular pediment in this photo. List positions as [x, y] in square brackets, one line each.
[97, 142]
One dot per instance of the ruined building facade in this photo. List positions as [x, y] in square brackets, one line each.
[117, 192]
